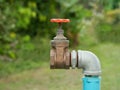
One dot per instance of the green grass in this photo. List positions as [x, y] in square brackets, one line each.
[27, 59]
[42, 78]
[109, 55]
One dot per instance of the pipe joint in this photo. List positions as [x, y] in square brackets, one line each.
[88, 61]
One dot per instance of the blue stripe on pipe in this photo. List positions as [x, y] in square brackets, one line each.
[91, 83]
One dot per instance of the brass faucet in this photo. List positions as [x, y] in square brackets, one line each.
[59, 53]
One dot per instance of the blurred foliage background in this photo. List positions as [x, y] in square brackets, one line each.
[21, 22]
[25, 28]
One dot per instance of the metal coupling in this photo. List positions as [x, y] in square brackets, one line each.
[74, 59]
[87, 61]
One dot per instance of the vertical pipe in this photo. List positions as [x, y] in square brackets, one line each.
[91, 82]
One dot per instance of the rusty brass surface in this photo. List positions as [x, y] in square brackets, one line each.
[59, 53]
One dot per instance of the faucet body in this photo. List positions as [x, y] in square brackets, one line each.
[59, 53]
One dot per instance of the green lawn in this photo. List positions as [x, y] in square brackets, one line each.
[43, 78]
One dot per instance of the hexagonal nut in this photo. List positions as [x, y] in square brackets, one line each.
[73, 59]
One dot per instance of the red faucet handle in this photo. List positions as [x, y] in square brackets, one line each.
[60, 20]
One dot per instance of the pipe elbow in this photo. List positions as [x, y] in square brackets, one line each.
[89, 62]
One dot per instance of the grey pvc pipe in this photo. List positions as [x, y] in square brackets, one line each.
[89, 62]
[86, 60]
